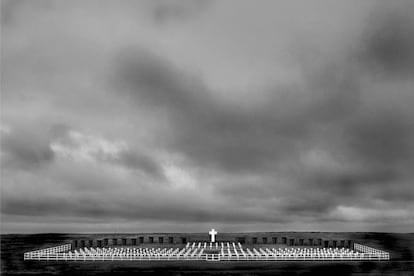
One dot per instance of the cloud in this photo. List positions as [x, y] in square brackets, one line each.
[383, 137]
[122, 211]
[81, 147]
[22, 149]
[203, 127]
[234, 117]
[239, 139]
[156, 82]
[388, 48]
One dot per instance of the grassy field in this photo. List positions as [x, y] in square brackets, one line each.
[400, 246]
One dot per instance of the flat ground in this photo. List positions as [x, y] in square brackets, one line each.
[400, 246]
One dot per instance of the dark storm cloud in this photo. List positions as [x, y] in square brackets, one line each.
[24, 149]
[229, 135]
[156, 82]
[226, 135]
[389, 42]
[384, 137]
[403, 194]
[348, 184]
[234, 138]
[204, 128]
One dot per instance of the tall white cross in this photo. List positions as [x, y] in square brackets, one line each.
[213, 234]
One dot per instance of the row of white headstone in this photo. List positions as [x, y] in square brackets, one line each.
[231, 252]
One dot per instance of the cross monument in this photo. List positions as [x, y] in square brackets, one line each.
[213, 234]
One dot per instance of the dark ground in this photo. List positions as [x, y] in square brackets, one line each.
[400, 246]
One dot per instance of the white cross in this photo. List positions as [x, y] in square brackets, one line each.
[213, 234]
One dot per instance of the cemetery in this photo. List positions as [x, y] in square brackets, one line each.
[144, 249]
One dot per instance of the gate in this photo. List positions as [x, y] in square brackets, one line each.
[212, 257]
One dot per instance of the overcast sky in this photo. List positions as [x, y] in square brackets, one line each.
[130, 116]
